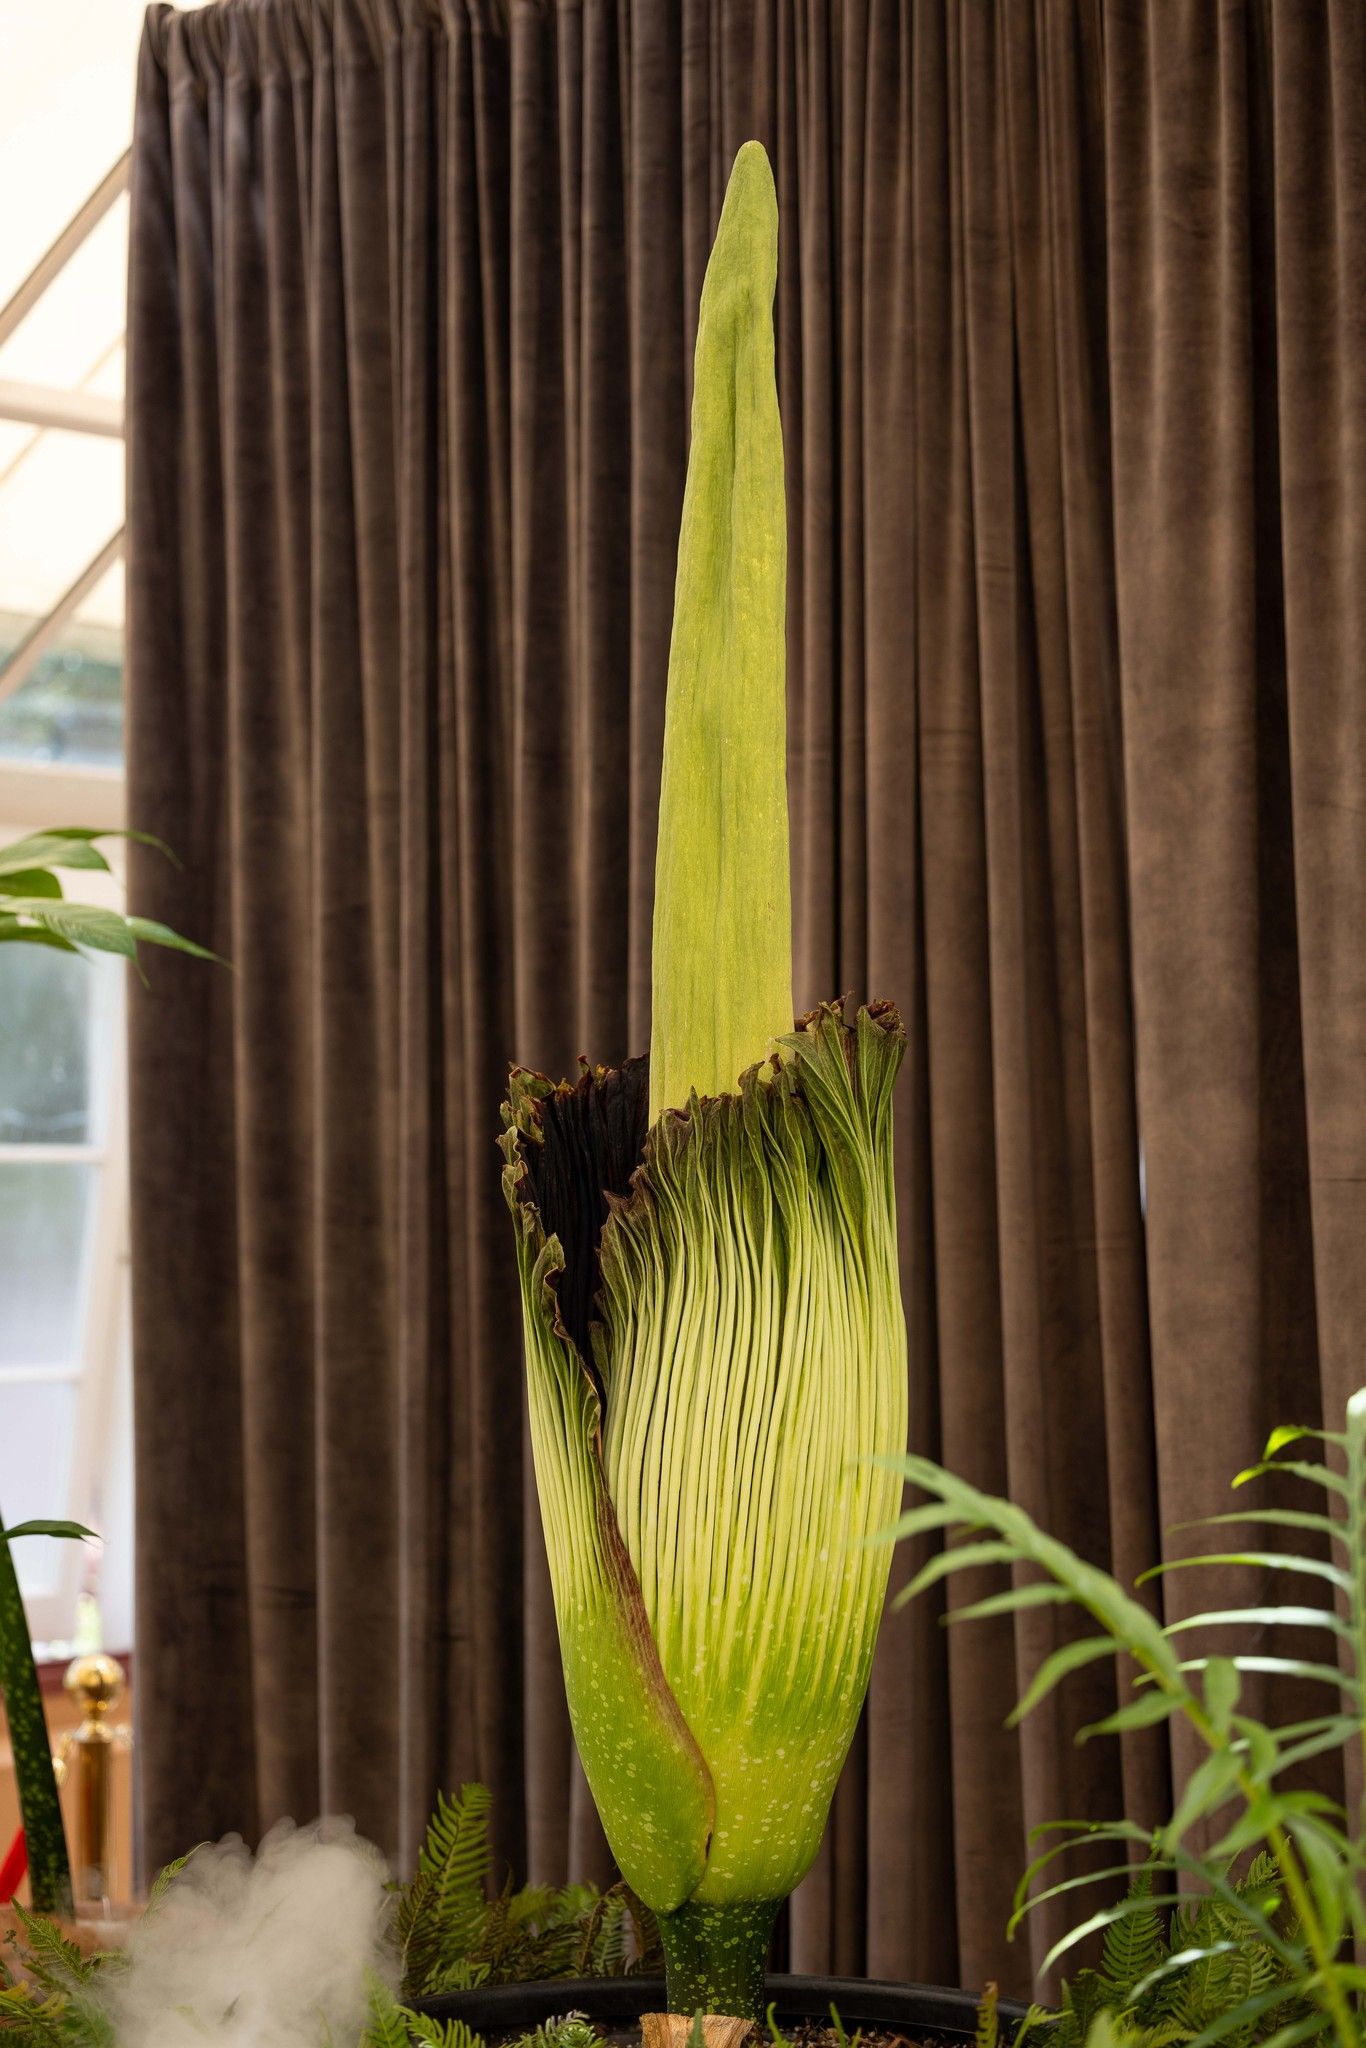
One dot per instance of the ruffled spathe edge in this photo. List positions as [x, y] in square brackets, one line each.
[871, 1048]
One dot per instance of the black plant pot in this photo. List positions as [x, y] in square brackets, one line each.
[920, 2011]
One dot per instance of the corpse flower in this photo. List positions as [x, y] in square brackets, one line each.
[715, 1346]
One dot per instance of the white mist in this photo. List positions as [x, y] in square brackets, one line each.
[275, 1950]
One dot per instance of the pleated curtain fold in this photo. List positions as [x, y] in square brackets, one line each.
[1071, 326]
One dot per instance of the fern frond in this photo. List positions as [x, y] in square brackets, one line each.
[649, 1947]
[440, 1917]
[1037, 2021]
[31, 2028]
[1200, 1990]
[777, 2038]
[570, 2030]
[1160, 2034]
[48, 1957]
[418, 1935]
[460, 1975]
[566, 2030]
[1133, 1946]
[386, 2022]
[595, 1931]
[1263, 1875]
[987, 2033]
[540, 1905]
[495, 1943]
[21, 2002]
[610, 1952]
[1252, 1970]
[1083, 1999]
[442, 2033]
[164, 1879]
[456, 1854]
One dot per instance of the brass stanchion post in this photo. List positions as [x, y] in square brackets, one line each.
[95, 1684]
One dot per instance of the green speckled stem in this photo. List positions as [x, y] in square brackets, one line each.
[714, 1957]
[49, 1871]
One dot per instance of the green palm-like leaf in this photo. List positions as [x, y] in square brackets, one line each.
[1317, 1475]
[1266, 1560]
[1270, 1518]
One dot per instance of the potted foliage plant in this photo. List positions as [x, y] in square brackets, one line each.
[1255, 1938]
[35, 911]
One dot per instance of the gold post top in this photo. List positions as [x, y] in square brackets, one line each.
[95, 1684]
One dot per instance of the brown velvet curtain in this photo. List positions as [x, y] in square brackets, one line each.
[1072, 355]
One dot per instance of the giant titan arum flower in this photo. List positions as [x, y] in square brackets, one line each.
[715, 1346]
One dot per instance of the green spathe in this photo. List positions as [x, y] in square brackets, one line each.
[722, 955]
[706, 1475]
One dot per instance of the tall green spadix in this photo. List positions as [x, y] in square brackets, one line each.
[722, 962]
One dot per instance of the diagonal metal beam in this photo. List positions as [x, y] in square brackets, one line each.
[74, 412]
[40, 637]
[64, 248]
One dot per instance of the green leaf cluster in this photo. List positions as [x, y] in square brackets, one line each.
[1206, 1958]
[49, 1991]
[35, 910]
[452, 1934]
[393, 2025]
[1169, 1978]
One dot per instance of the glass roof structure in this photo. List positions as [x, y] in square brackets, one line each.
[66, 96]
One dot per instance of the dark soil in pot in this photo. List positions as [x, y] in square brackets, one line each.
[886, 2013]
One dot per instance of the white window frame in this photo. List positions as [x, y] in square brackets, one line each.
[99, 1354]
[34, 795]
